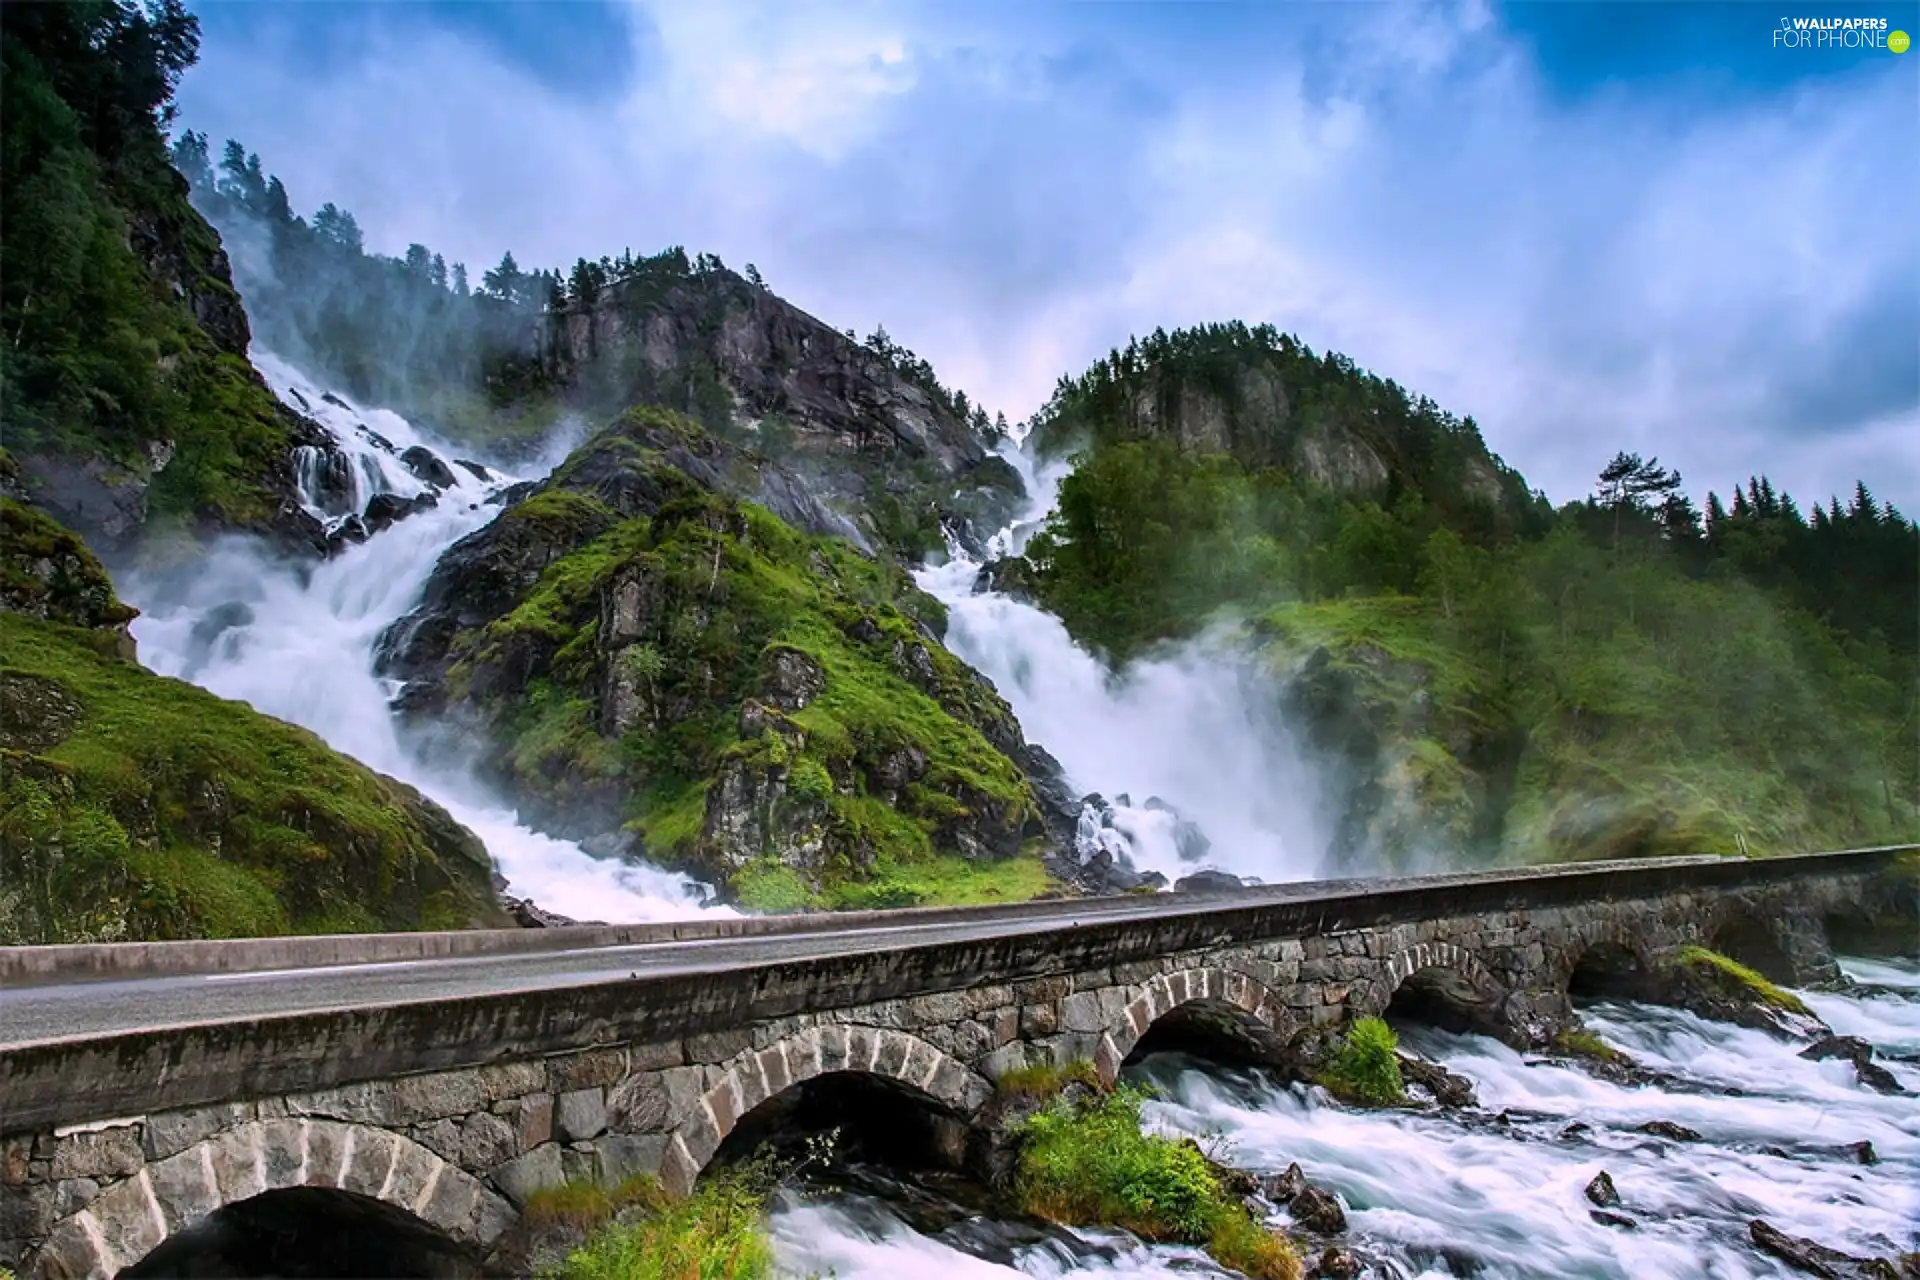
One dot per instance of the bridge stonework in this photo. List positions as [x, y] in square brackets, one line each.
[462, 1149]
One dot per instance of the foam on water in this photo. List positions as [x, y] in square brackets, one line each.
[297, 641]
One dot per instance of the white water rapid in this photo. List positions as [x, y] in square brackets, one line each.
[297, 642]
[1186, 736]
[1431, 1194]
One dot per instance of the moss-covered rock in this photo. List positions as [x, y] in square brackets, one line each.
[46, 572]
[133, 806]
[1716, 986]
[760, 703]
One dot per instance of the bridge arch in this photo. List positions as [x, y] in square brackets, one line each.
[1605, 961]
[750, 1078]
[391, 1175]
[1237, 1006]
[1437, 983]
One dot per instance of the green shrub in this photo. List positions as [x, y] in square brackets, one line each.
[717, 1233]
[1092, 1164]
[1735, 979]
[1366, 1069]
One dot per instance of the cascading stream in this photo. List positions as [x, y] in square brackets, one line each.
[1432, 1194]
[296, 641]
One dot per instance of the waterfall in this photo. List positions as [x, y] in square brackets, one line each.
[297, 641]
[1193, 766]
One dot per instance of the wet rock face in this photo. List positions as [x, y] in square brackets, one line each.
[850, 432]
[1318, 1210]
[427, 467]
[1857, 1051]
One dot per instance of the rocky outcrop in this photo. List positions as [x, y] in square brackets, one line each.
[672, 641]
[1270, 403]
[885, 448]
[46, 572]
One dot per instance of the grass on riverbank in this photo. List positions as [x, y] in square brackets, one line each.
[1091, 1164]
[1366, 1069]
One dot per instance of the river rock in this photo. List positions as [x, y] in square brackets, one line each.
[427, 467]
[384, 509]
[479, 472]
[1668, 1129]
[1602, 1191]
[1336, 1264]
[1619, 1220]
[1208, 882]
[1448, 1089]
[1281, 1188]
[1318, 1210]
[348, 532]
[1857, 1051]
[1814, 1258]
[1863, 1152]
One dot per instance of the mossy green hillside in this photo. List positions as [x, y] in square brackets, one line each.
[1089, 1163]
[141, 807]
[766, 708]
[1569, 707]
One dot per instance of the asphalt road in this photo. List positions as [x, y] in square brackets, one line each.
[90, 1009]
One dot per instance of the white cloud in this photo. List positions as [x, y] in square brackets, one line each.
[1012, 192]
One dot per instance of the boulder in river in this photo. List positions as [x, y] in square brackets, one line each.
[1602, 1191]
[1817, 1259]
[1282, 1187]
[1857, 1051]
[1447, 1088]
[1606, 1219]
[1335, 1264]
[384, 509]
[1668, 1129]
[427, 467]
[1318, 1210]
[1210, 882]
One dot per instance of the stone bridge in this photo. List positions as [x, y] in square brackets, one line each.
[434, 1120]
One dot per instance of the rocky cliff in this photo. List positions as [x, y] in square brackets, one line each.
[872, 437]
[1266, 400]
[671, 646]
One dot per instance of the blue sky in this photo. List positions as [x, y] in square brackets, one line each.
[1592, 226]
